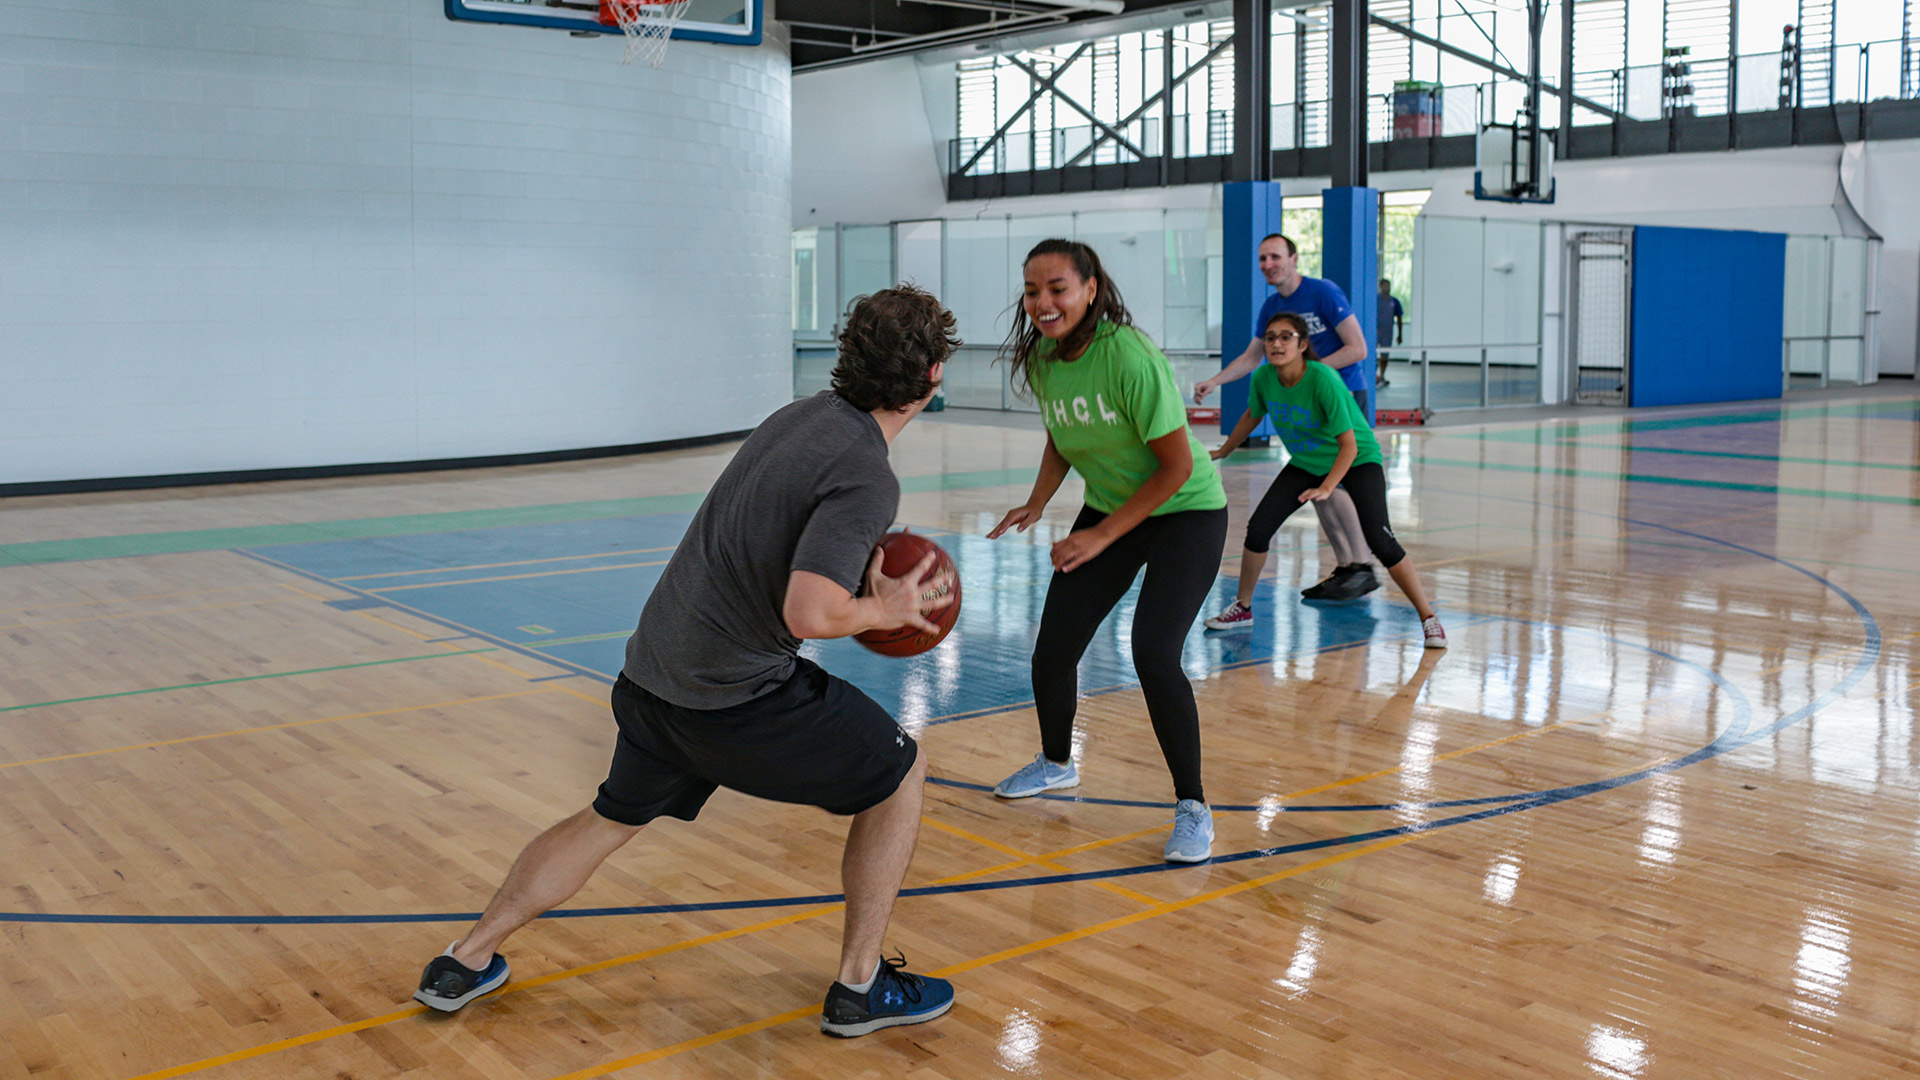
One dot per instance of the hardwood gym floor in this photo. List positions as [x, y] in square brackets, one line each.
[1655, 814]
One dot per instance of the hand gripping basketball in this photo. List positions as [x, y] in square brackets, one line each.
[900, 554]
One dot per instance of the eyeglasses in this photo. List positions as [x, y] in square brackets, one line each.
[1282, 336]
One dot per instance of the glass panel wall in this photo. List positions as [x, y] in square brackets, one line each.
[1164, 262]
[1472, 291]
[1826, 311]
[1472, 337]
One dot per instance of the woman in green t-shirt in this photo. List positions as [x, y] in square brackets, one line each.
[1329, 446]
[1153, 500]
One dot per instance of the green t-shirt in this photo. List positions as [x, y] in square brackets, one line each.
[1310, 415]
[1105, 407]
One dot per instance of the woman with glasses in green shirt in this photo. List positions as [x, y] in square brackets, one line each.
[1153, 500]
[1329, 446]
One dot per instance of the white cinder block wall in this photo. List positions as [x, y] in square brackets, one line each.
[237, 235]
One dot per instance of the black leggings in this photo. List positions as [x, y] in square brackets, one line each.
[1181, 552]
[1366, 483]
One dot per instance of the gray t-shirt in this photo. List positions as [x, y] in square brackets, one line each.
[811, 490]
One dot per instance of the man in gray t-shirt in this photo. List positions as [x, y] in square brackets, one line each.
[811, 490]
[714, 693]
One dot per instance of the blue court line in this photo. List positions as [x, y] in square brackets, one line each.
[1512, 803]
[1734, 738]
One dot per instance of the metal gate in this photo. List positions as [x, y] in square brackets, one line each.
[1599, 272]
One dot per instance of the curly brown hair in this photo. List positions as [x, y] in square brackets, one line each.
[1299, 325]
[1017, 350]
[892, 340]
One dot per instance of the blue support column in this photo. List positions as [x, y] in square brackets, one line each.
[1350, 258]
[1249, 211]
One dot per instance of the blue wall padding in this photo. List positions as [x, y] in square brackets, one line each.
[1249, 211]
[1350, 258]
[1708, 316]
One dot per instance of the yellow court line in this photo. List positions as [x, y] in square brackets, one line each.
[1159, 909]
[273, 727]
[516, 577]
[494, 565]
[1038, 860]
[602, 702]
[149, 596]
[722, 1036]
[527, 984]
[144, 614]
[394, 625]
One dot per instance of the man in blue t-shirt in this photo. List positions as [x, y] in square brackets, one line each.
[1340, 344]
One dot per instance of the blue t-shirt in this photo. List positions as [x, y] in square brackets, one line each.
[1390, 311]
[1324, 306]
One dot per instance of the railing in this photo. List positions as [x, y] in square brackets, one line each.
[1872, 71]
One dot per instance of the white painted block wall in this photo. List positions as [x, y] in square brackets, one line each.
[237, 235]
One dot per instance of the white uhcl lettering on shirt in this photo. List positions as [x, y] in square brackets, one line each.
[1078, 412]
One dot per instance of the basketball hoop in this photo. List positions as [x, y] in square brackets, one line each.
[648, 25]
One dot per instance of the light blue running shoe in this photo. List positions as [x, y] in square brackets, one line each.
[1037, 776]
[1192, 839]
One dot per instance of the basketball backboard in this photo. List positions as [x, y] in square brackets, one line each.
[729, 22]
[1501, 171]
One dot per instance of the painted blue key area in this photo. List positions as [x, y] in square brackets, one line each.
[570, 592]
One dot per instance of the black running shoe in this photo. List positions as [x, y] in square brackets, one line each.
[1351, 582]
[896, 997]
[1318, 590]
[448, 984]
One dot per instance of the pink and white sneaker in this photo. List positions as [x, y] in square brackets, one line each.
[1236, 616]
[1436, 634]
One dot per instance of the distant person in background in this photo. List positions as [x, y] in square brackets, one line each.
[1340, 344]
[1391, 319]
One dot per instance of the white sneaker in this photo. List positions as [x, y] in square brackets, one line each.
[1237, 615]
[1192, 839]
[1435, 633]
[1037, 776]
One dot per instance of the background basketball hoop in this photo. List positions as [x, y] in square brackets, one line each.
[648, 25]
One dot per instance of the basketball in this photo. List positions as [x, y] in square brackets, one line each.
[902, 551]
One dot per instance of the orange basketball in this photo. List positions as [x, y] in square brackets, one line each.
[903, 551]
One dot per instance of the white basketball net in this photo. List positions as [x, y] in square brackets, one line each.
[648, 26]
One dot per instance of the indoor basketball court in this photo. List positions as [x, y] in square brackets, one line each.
[317, 564]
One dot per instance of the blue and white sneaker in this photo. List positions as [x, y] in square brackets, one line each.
[1192, 839]
[448, 984]
[896, 997]
[1037, 776]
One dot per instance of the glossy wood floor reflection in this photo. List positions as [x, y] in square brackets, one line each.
[1655, 814]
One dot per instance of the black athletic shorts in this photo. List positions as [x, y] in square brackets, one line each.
[817, 740]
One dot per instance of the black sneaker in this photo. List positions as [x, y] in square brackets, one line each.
[896, 997]
[1351, 582]
[1318, 590]
[448, 984]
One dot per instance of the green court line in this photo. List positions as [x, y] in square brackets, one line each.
[1679, 481]
[1746, 457]
[1562, 433]
[244, 678]
[255, 536]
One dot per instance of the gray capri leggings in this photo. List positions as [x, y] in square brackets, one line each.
[1366, 483]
